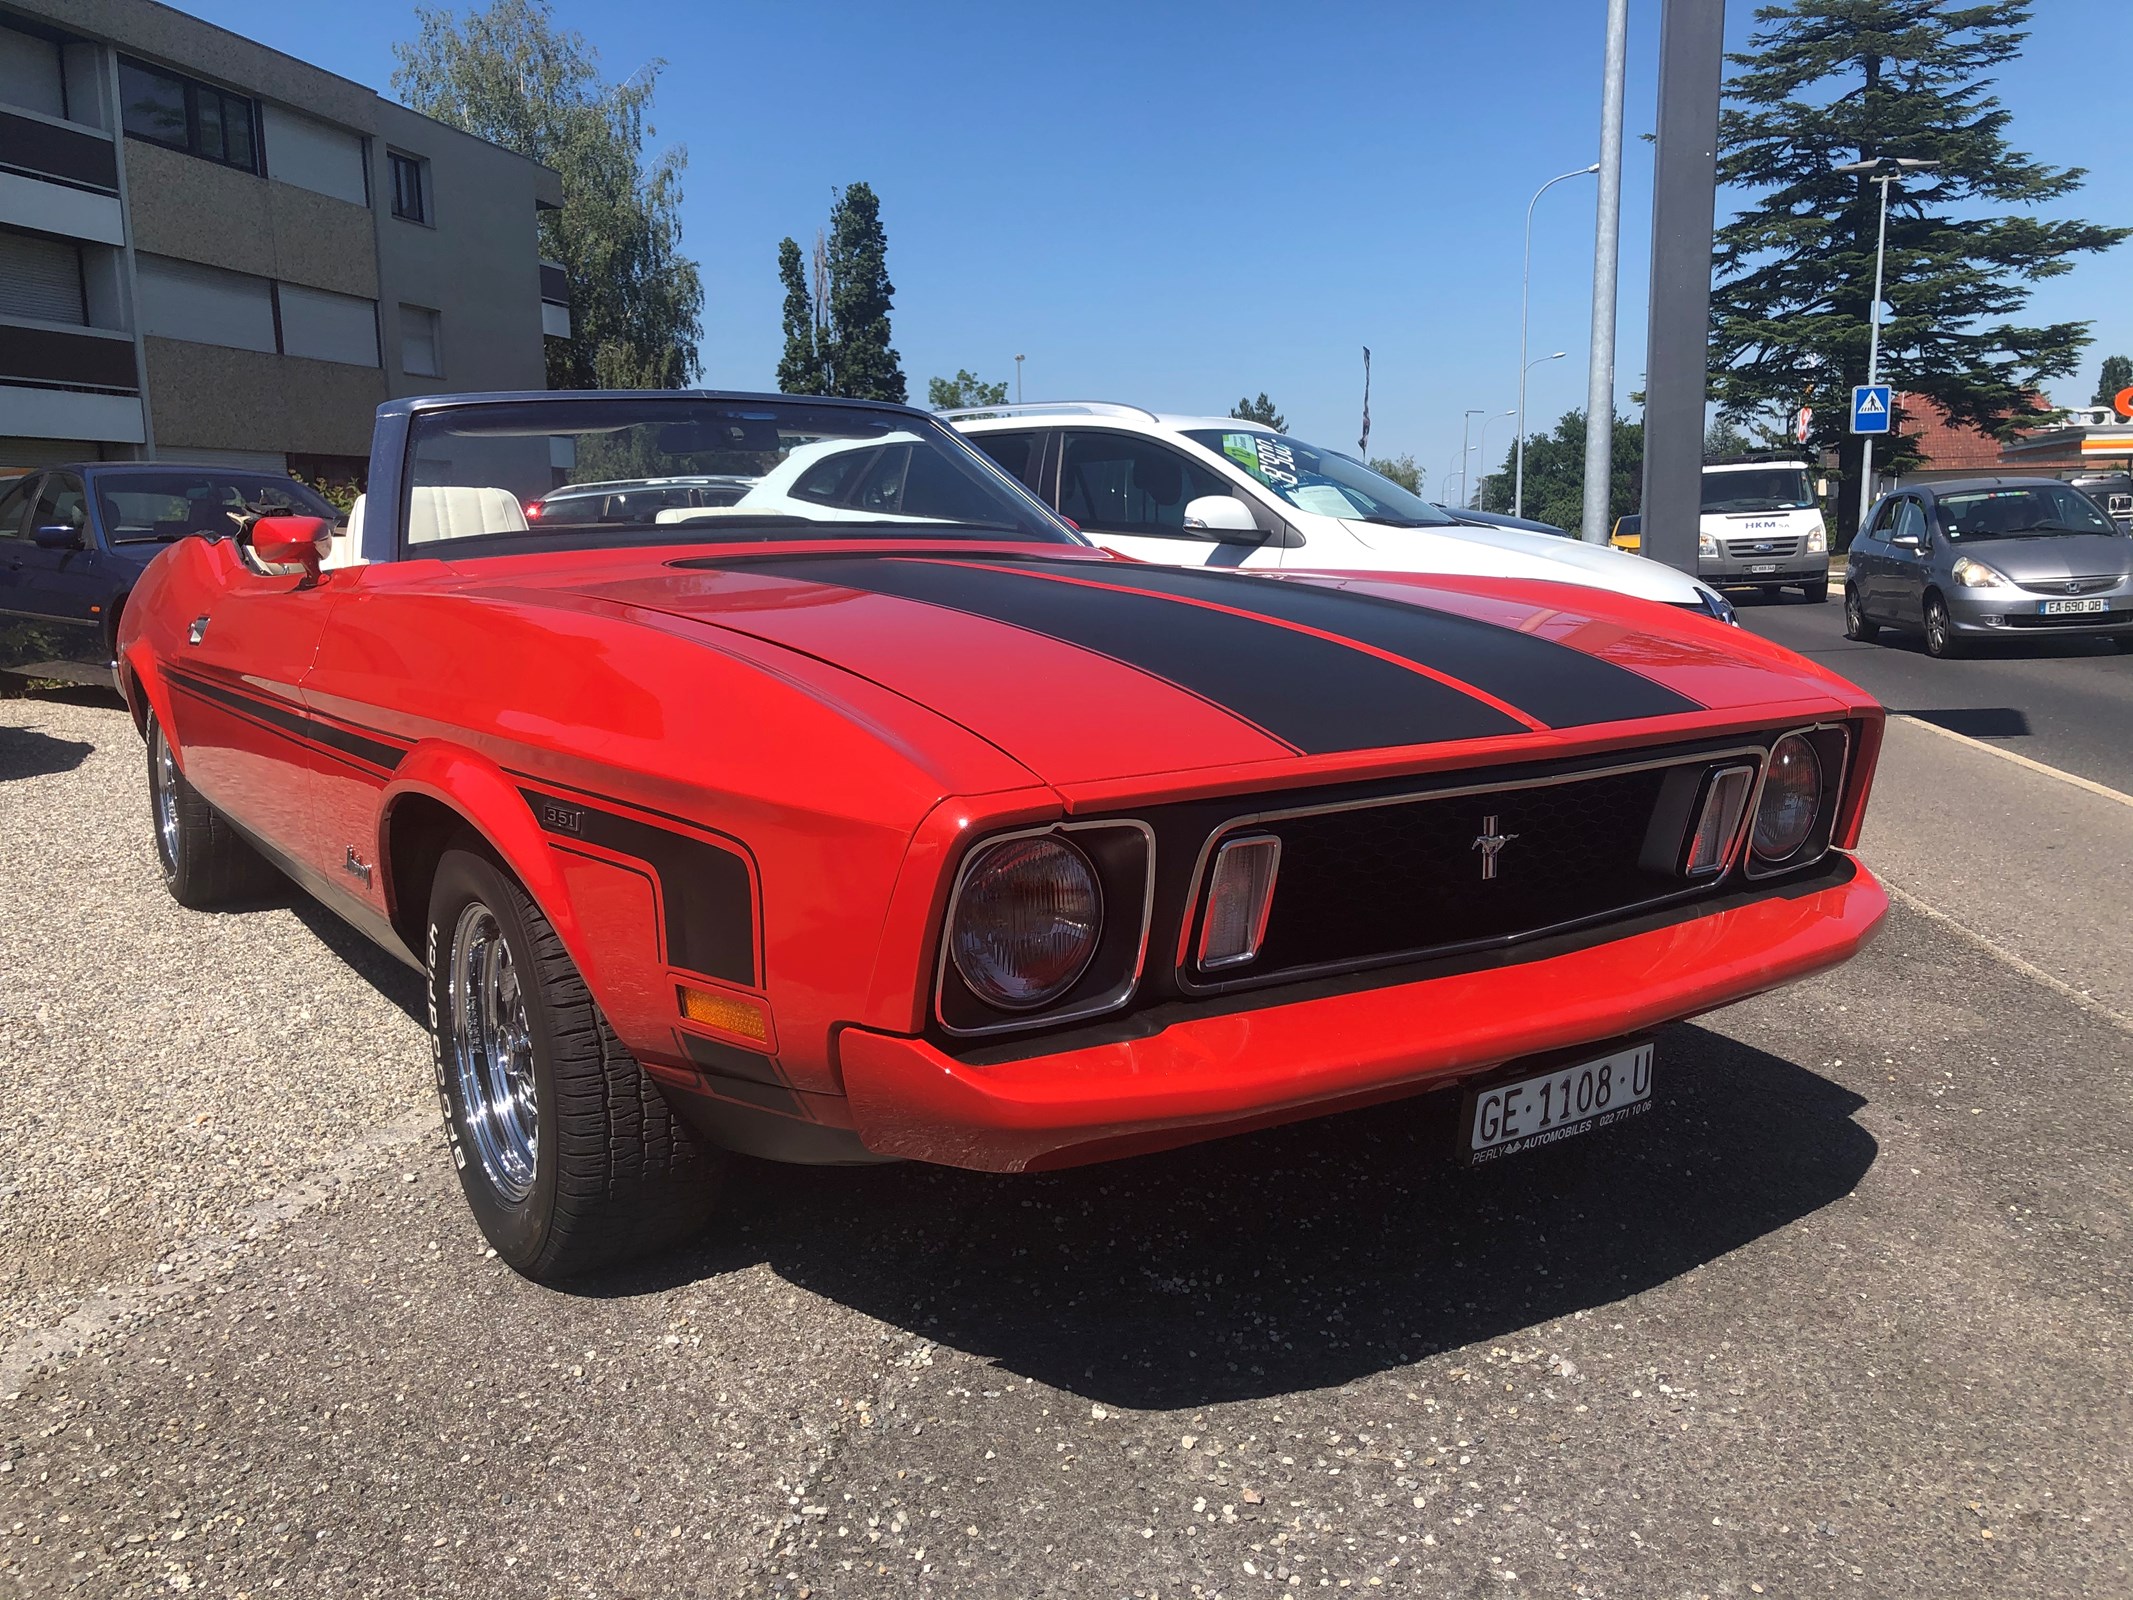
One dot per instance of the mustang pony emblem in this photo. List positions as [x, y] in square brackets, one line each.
[1490, 843]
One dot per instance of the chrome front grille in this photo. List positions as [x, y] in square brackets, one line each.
[2071, 586]
[1764, 549]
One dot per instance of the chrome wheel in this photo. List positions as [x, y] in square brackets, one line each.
[163, 784]
[1937, 630]
[492, 1054]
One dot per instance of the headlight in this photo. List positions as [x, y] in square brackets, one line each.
[1785, 816]
[1976, 575]
[1026, 922]
[1706, 545]
[1818, 541]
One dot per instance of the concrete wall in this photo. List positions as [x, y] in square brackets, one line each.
[198, 211]
[219, 399]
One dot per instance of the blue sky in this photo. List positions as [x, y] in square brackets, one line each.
[1177, 204]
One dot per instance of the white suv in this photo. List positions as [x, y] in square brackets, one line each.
[1218, 492]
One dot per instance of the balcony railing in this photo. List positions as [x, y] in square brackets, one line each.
[52, 356]
[59, 152]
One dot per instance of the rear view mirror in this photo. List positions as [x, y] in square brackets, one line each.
[57, 536]
[1220, 514]
[281, 541]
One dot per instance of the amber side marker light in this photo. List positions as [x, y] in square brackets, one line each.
[729, 1013]
[1240, 896]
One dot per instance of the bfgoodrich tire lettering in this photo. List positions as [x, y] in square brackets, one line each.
[571, 1160]
[206, 865]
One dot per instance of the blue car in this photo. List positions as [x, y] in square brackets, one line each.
[73, 539]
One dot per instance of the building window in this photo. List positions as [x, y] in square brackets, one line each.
[418, 343]
[182, 113]
[411, 188]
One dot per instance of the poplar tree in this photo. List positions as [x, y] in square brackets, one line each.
[1834, 81]
[837, 329]
[800, 369]
[2115, 374]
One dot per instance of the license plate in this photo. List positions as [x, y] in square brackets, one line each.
[1766, 566]
[1521, 1114]
[2067, 608]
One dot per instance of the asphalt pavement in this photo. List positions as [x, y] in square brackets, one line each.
[1847, 1314]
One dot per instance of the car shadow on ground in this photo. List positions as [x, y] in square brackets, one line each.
[396, 981]
[27, 753]
[1978, 722]
[1301, 1257]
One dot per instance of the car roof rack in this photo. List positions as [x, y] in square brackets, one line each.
[1021, 408]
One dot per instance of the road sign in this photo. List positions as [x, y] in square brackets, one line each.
[1870, 408]
[1799, 431]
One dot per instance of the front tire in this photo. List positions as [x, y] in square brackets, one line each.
[570, 1158]
[206, 864]
[1941, 641]
[1816, 592]
[1856, 625]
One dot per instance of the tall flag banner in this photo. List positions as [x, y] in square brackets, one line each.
[1362, 445]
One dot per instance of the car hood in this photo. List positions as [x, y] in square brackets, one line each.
[1085, 669]
[2040, 560]
[1469, 549]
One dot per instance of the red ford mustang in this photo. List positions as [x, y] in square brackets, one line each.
[860, 810]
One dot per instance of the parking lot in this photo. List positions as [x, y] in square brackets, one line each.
[1846, 1314]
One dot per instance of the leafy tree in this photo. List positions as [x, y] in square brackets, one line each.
[509, 75]
[2115, 374]
[1401, 469]
[837, 330]
[1260, 410]
[1555, 473]
[964, 390]
[800, 369]
[1724, 438]
[1827, 80]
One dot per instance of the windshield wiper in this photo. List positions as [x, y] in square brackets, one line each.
[1407, 522]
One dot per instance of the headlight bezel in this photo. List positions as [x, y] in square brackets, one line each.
[1120, 853]
[1831, 743]
[1971, 573]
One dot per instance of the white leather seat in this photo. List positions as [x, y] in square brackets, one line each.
[460, 511]
[346, 549]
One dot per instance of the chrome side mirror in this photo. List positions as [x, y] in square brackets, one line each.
[1220, 514]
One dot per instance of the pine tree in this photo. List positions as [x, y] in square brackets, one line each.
[800, 368]
[1260, 410]
[2115, 374]
[1828, 81]
[862, 363]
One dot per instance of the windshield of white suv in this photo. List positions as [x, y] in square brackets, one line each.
[618, 470]
[2021, 513]
[1757, 489]
[1323, 481]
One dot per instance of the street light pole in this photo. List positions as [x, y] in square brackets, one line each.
[1018, 380]
[1606, 260]
[1485, 441]
[1466, 426]
[1886, 170]
[1525, 285]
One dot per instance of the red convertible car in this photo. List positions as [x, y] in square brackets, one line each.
[876, 815]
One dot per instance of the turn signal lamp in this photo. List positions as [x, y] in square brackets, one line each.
[1240, 896]
[729, 1013]
[1719, 825]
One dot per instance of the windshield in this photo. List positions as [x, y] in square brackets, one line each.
[501, 478]
[1757, 489]
[145, 507]
[1324, 481]
[2021, 513]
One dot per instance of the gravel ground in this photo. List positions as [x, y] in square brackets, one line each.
[163, 1068]
[1847, 1314]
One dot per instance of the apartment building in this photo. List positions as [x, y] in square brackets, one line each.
[210, 251]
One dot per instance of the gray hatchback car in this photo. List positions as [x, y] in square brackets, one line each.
[1990, 558]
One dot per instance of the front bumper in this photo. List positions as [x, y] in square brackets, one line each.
[1726, 573]
[1206, 1075]
[2019, 613]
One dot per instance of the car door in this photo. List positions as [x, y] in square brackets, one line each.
[1866, 560]
[1129, 493]
[1910, 549]
[1018, 454]
[16, 499]
[58, 591]
[249, 743]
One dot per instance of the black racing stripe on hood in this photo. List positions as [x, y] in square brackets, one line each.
[1554, 683]
[1319, 696]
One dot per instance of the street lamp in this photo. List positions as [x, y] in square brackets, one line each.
[1018, 380]
[1518, 494]
[1525, 284]
[1884, 170]
[1485, 441]
[1447, 500]
[1466, 424]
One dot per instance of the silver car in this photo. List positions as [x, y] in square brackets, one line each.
[1990, 558]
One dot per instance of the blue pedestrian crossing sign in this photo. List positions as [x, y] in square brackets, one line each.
[1870, 408]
